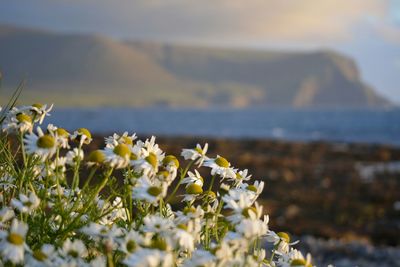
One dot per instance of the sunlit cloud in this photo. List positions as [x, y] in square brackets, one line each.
[284, 20]
[262, 20]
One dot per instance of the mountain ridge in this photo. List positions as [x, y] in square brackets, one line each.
[94, 70]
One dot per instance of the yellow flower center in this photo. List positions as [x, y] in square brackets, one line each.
[21, 117]
[152, 159]
[159, 243]
[127, 140]
[133, 156]
[222, 162]
[73, 253]
[210, 195]
[131, 246]
[194, 189]
[284, 236]
[252, 188]
[39, 255]
[154, 191]
[164, 174]
[246, 211]
[62, 132]
[201, 179]
[97, 156]
[188, 210]
[199, 150]
[28, 204]
[15, 239]
[122, 150]
[46, 141]
[84, 131]
[182, 226]
[171, 159]
[37, 105]
[298, 262]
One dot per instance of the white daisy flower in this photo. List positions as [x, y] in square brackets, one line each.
[43, 145]
[220, 166]
[253, 190]
[297, 259]
[74, 249]
[117, 157]
[198, 154]
[148, 165]
[165, 177]
[40, 111]
[118, 212]
[94, 230]
[281, 240]
[41, 257]
[189, 214]
[57, 165]
[150, 147]
[7, 182]
[145, 190]
[242, 206]
[171, 165]
[17, 121]
[26, 204]
[12, 245]
[184, 238]
[251, 228]
[82, 136]
[60, 134]
[170, 162]
[131, 242]
[242, 176]
[193, 178]
[115, 139]
[73, 156]
[158, 225]
[96, 158]
[192, 192]
[6, 214]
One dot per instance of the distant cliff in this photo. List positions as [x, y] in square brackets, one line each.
[89, 70]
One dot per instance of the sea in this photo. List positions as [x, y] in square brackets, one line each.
[376, 126]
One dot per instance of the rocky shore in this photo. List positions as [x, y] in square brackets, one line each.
[317, 188]
[349, 254]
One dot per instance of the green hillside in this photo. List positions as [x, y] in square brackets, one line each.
[89, 70]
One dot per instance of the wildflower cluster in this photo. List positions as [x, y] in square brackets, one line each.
[64, 206]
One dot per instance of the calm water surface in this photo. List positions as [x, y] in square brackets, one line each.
[370, 126]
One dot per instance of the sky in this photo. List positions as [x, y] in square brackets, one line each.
[367, 30]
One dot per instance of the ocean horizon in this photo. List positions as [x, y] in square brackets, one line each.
[380, 126]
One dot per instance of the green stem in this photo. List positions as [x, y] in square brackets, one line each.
[75, 181]
[110, 262]
[212, 183]
[182, 176]
[220, 205]
[88, 204]
[273, 252]
[90, 177]
[21, 140]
